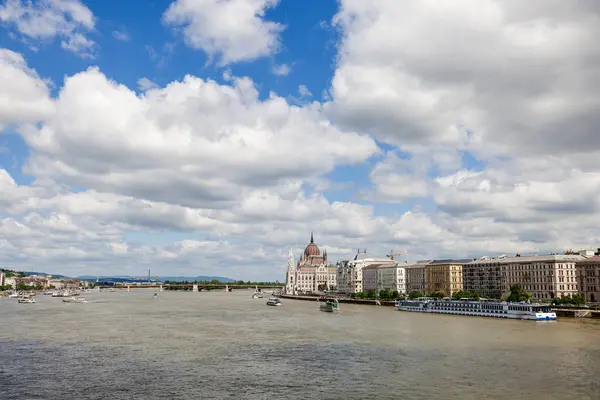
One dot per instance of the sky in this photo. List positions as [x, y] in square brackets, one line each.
[205, 137]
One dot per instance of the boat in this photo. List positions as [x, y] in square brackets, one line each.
[26, 299]
[257, 295]
[48, 293]
[274, 301]
[524, 311]
[330, 305]
[155, 295]
[60, 294]
[74, 299]
[13, 296]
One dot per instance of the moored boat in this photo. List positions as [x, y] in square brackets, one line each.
[26, 299]
[74, 299]
[274, 301]
[525, 311]
[330, 305]
[257, 295]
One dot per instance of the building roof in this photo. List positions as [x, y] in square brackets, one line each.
[530, 259]
[594, 260]
[450, 261]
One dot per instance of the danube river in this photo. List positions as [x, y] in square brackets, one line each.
[219, 345]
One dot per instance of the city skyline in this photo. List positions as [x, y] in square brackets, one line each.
[205, 138]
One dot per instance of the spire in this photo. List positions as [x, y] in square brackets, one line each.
[312, 239]
[290, 262]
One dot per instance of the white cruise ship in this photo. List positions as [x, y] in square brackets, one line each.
[534, 312]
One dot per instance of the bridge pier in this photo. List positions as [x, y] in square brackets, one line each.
[195, 288]
[161, 288]
[128, 288]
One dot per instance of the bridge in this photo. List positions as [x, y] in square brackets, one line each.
[191, 286]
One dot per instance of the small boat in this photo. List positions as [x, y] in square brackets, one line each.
[155, 295]
[74, 299]
[60, 294]
[330, 305]
[48, 293]
[257, 295]
[26, 299]
[274, 301]
[13, 296]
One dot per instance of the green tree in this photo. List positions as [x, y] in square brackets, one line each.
[461, 294]
[415, 295]
[437, 294]
[518, 294]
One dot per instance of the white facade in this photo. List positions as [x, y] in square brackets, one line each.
[545, 277]
[1, 278]
[350, 275]
[392, 278]
[311, 273]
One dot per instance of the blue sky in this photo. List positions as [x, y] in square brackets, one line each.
[377, 124]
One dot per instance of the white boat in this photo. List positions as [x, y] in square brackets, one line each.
[60, 294]
[274, 301]
[48, 293]
[257, 295]
[74, 299]
[26, 299]
[13, 296]
[533, 312]
[330, 305]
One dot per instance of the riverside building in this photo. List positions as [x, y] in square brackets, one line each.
[484, 277]
[350, 276]
[311, 273]
[588, 278]
[445, 276]
[416, 276]
[544, 276]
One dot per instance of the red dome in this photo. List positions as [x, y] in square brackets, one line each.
[312, 249]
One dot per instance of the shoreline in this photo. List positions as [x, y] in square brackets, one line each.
[560, 312]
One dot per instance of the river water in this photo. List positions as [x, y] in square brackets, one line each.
[217, 345]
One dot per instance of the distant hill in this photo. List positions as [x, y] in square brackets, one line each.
[27, 273]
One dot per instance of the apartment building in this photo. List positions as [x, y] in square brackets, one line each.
[416, 277]
[484, 277]
[445, 276]
[588, 278]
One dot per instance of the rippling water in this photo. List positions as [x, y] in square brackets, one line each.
[227, 345]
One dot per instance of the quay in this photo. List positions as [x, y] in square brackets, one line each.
[343, 300]
[560, 312]
[576, 313]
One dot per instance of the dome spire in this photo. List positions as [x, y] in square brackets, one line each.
[312, 239]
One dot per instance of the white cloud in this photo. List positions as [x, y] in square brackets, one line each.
[50, 19]
[494, 76]
[303, 91]
[24, 97]
[207, 142]
[281, 69]
[146, 84]
[121, 35]
[232, 30]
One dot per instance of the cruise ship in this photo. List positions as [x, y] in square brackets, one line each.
[534, 312]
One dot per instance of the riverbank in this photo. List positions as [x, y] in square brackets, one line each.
[560, 312]
[343, 300]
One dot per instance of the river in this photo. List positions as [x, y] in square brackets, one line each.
[218, 345]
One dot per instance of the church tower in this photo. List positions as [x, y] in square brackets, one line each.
[290, 276]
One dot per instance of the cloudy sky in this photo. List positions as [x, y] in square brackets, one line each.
[204, 137]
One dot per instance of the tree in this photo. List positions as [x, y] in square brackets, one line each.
[461, 294]
[518, 294]
[437, 294]
[415, 295]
